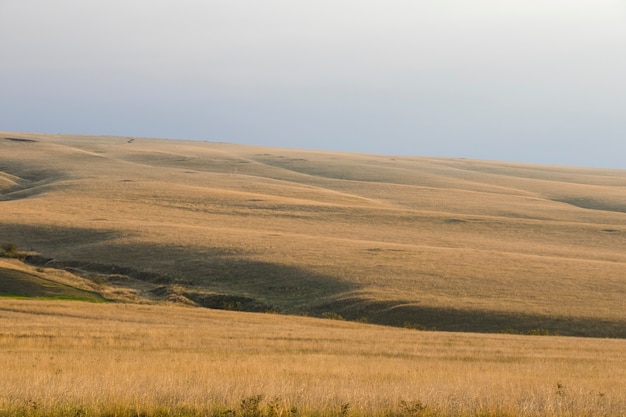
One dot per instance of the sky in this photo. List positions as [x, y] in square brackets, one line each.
[539, 81]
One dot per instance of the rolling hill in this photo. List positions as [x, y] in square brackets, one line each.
[432, 243]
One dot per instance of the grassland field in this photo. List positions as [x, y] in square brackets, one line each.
[141, 232]
[73, 358]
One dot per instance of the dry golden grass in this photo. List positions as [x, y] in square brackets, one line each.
[102, 359]
[421, 242]
[446, 243]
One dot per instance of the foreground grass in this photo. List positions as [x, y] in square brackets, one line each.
[83, 359]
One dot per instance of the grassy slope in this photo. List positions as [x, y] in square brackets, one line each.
[18, 283]
[446, 243]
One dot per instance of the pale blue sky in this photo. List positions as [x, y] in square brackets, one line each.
[533, 81]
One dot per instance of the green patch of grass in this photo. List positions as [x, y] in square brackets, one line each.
[18, 284]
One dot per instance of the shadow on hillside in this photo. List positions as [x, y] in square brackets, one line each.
[213, 277]
[20, 284]
[593, 204]
[30, 181]
[227, 278]
[21, 140]
[48, 239]
[480, 321]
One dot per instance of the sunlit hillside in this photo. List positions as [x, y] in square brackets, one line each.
[450, 244]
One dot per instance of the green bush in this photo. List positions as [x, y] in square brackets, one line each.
[10, 250]
[332, 315]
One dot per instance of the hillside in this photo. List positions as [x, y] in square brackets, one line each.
[449, 244]
[16, 282]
